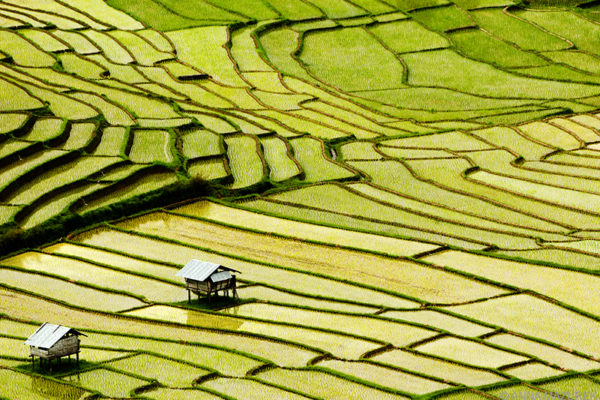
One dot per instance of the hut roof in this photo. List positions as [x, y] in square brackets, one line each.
[47, 335]
[220, 276]
[201, 270]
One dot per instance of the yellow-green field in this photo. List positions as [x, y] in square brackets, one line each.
[408, 188]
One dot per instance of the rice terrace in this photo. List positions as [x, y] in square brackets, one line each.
[299, 199]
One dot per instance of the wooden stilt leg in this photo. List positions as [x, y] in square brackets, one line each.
[189, 296]
[77, 360]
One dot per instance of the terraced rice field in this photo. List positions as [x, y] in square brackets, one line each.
[408, 188]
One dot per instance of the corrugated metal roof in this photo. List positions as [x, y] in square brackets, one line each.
[220, 276]
[198, 270]
[47, 335]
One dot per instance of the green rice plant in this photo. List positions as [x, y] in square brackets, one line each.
[262, 348]
[571, 386]
[510, 138]
[16, 98]
[239, 217]
[383, 376]
[147, 182]
[14, 123]
[114, 114]
[475, 4]
[445, 18]
[296, 281]
[362, 326]
[525, 35]
[277, 155]
[21, 167]
[12, 347]
[202, 48]
[439, 320]
[526, 276]
[585, 37]
[325, 341]
[60, 105]
[516, 390]
[539, 324]
[226, 362]
[482, 79]
[107, 382]
[341, 221]
[249, 389]
[338, 9]
[64, 291]
[143, 52]
[197, 143]
[151, 146]
[252, 9]
[316, 166]
[147, 10]
[538, 191]
[21, 386]
[61, 10]
[108, 15]
[99, 276]
[334, 122]
[439, 99]
[208, 169]
[46, 41]
[409, 5]
[158, 40]
[139, 103]
[11, 147]
[576, 59]
[296, 10]
[268, 81]
[180, 70]
[48, 18]
[61, 175]
[582, 132]
[125, 73]
[478, 45]
[97, 256]
[158, 123]
[23, 52]
[448, 172]
[359, 151]
[110, 47]
[245, 161]
[177, 394]
[245, 52]
[277, 296]
[303, 125]
[279, 45]
[46, 129]
[374, 6]
[7, 213]
[533, 371]
[81, 66]
[168, 372]
[558, 72]
[323, 385]
[375, 66]
[469, 352]
[113, 140]
[77, 42]
[434, 367]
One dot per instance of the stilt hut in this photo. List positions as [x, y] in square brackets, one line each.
[205, 278]
[52, 341]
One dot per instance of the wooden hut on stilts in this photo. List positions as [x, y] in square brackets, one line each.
[205, 278]
[52, 341]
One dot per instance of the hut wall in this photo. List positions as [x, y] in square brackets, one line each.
[64, 347]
